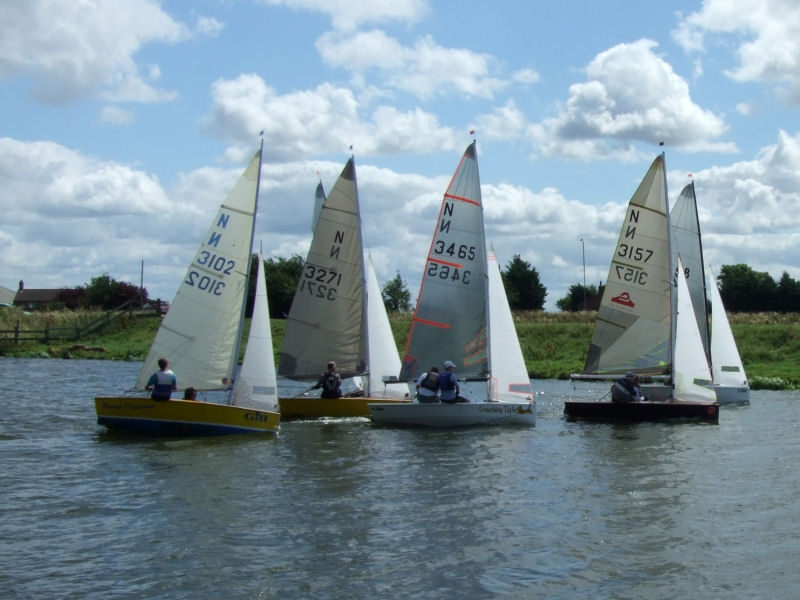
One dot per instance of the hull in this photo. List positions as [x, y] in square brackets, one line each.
[732, 395]
[309, 407]
[442, 415]
[182, 417]
[641, 411]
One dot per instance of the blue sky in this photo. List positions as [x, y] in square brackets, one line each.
[125, 122]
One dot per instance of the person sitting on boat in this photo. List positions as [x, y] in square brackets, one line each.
[627, 389]
[448, 385]
[330, 382]
[163, 382]
[428, 385]
[190, 393]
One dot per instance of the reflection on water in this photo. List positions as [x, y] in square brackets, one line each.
[333, 509]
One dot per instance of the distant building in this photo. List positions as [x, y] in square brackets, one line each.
[36, 299]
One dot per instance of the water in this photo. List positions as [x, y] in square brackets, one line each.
[347, 510]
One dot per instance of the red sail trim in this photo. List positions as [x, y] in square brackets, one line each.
[461, 198]
[444, 262]
[432, 323]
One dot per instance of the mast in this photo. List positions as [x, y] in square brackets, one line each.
[671, 270]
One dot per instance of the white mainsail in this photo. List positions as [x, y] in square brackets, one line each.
[200, 334]
[256, 385]
[691, 375]
[634, 318]
[383, 359]
[686, 241]
[450, 320]
[326, 321]
[510, 382]
[726, 366]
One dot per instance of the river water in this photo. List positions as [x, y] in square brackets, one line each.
[343, 509]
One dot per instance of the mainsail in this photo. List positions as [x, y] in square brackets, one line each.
[326, 321]
[450, 321]
[634, 318]
[201, 332]
[726, 366]
[510, 382]
[686, 241]
[691, 374]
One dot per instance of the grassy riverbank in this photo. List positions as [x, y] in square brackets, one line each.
[554, 344]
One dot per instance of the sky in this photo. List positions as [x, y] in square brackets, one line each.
[124, 124]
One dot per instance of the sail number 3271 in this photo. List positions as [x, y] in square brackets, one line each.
[320, 282]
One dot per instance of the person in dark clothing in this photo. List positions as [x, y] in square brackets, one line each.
[330, 382]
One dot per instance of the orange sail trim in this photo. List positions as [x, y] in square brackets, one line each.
[444, 262]
[462, 199]
[432, 323]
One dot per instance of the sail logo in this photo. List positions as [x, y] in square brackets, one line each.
[625, 299]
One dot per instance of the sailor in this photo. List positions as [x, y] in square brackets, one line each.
[330, 382]
[448, 384]
[163, 382]
[427, 386]
[627, 389]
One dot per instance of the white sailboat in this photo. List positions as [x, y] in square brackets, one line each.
[634, 328]
[727, 370]
[453, 321]
[201, 336]
[331, 319]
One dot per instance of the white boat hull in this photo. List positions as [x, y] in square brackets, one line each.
[727, 394]
[461, 414]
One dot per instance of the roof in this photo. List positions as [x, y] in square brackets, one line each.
[34, 295]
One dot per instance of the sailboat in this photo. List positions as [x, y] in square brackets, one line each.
[727, 370]
[634, 329]
[454, 321]
[201, 336]
[336, 315]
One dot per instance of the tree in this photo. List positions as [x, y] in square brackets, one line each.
[396, 296]
[745, 290]
[523, 287]
[283, 276]
[73, 298]
[573, 301]
[787, 297]
[107, 293]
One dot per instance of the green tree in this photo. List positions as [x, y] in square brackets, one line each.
[787, 296]
[396, 296]
[745, 290]
[573, 301]
[283, 276]
[107, 293]
[523, 287]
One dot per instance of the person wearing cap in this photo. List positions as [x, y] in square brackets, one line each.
[428, 385]
[627, 389]
[448, 384]
[330, 382]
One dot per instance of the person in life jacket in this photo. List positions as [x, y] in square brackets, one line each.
[330, 382]
[162, 382]
[448, 384]
[427, 385]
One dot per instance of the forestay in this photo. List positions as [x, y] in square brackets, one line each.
[633, 321]
[200, 333]
[327, 314]
[450, 321]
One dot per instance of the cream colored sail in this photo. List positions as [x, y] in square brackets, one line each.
[691, 375]
[509, 382]
[634, 318]
[326, 321]
[256, 385]
[200, 333]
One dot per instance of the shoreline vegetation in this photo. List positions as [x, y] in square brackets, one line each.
[554, 344]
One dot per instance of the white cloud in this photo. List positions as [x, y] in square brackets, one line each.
[77, 49]
[116, 115]
[632, 95]
[324, 120]
[350, 14]
[768, 34]
[426, 69]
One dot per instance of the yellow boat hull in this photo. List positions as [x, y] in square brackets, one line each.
[309, 407]
[182, 417]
